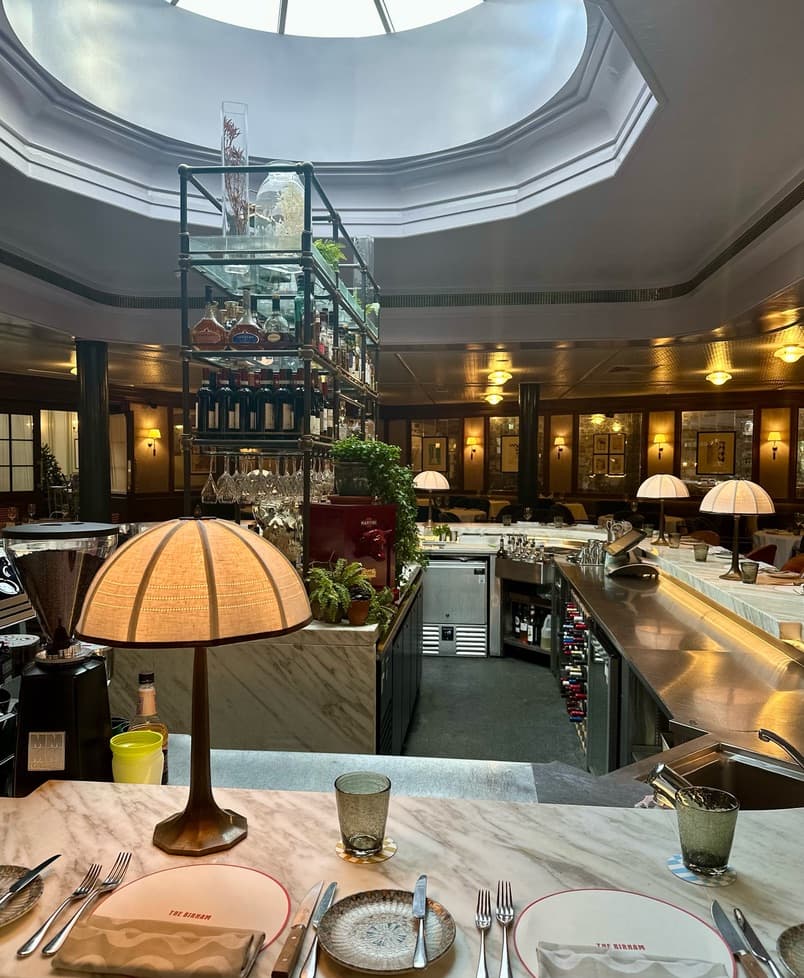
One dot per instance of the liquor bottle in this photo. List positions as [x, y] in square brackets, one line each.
[316, 405]
[213, 417]
[516, 619]
[146, 717]
[277, 331]
[530, 623]
[233, 421]
[204, 404]
[224, 404]
[264, 402]
[298, 401]
[246, 334]
[326, 410]
[244, 401]
[208, 333]
[283, 404]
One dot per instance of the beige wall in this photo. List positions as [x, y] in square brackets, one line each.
[473, 465]
[151, 473]
[661, 423]
[773, 473]
[560, 469]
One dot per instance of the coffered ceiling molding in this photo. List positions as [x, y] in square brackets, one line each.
[484, 116]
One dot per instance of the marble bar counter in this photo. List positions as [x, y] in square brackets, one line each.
[317, 689]
[777, 609]
[460, 844]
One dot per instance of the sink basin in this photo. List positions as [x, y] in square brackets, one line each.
[758, 782]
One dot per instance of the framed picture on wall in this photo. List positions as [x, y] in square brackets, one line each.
[509, 453]
[600, 464]
[600, 444]
[199, 464]
[434, 454]
[715, 453]
[616, 464]
[617, 444]
[416, 453]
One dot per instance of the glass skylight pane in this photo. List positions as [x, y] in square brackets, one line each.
[407, 14]
[260, 15]
[328, 18]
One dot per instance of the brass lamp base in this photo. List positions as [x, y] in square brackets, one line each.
[198, 833]
[731, 575]
[202, 827]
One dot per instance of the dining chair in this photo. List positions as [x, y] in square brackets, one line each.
[707, 536]
[766, 553]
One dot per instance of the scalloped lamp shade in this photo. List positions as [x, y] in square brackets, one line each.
[431, 481]
[662, 487]
[195, 583]
[737, 497]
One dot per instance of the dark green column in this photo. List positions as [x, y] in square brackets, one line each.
[94, 463]
[528, 476]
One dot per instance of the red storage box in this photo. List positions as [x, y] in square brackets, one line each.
[362, 532]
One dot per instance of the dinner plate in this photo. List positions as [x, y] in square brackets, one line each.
[375, 931]
[619, 919]
[791, 949]
[210, 894]
[22, 902]
[786, 575]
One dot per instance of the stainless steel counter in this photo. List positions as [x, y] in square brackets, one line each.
[706, 669]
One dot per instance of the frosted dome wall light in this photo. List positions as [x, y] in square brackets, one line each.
[718, 377]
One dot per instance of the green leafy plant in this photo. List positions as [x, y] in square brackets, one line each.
[381, 609]
[390, 482]
[331, 252]
[330, 588]
[442, 531]
[361, 591]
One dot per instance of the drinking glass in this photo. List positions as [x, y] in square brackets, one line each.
[209, 494]
[227, 488]
[674, 539]
[31, 512]
[701, 550]
[706, 821]
[748, 571]
[362, 800]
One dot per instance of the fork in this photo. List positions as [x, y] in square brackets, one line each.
[115, 877]
[81, 891]
[483, 924]
[505, 917]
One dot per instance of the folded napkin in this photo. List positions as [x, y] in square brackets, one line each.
[560, 961]
[158, 949]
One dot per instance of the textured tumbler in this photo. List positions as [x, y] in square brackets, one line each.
[706, 821]
[701, 550]
[362, 799]
[748, 571]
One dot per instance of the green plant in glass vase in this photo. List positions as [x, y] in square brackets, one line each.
[389, 482]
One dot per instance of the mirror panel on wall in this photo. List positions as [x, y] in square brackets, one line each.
[800, 455]
[502, 454]
[16, 452]
[609, 453]
[435, 444]
[715, 446]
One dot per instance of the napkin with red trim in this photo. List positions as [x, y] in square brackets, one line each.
[158, 949]
[561, 961]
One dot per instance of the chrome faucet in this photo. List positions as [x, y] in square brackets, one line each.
[768, 736]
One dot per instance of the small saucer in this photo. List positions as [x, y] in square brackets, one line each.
[791, 949]
[23, 901]
[388, 849]
[676, 866]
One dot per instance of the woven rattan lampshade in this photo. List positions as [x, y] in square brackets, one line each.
[431, 481]
[662, 487]
[195, 583]
[190, 583]
[737, 497]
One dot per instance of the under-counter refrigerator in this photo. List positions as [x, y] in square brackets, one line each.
[456, 607]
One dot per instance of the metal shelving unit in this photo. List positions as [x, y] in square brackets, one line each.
[233, 263]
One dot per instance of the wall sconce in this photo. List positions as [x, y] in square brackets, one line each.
[774, 437]
[154, 434]
[493, 398]
[472, 442]
[660, 441]
[597, 419]
[789, 354]
[718, 377]
[558, 444]
[499, 377]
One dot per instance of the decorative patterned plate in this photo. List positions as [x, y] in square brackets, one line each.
[791, 949]
[375, 931]
[22, 902]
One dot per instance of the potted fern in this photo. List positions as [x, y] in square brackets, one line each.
[329, 589]
[360, 602]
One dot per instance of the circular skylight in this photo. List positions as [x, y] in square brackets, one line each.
[328, 18]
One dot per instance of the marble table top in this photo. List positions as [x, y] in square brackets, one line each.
[460, 844]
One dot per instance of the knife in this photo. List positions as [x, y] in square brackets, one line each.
[311, 961]
[736, 946]
[292, 946]
[25, 879]
[419, 913]
[756, 944]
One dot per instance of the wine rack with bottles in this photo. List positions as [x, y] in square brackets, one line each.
[288, 347]
[573, 670]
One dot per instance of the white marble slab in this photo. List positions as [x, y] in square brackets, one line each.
[460, 844]
[766, 606]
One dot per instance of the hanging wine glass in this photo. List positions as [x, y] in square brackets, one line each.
[209, 494]
[227, 489]
[241, 481]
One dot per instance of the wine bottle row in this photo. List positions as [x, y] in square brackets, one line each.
[242, 328]
[526, 624]
[573, 667]
[261, 402]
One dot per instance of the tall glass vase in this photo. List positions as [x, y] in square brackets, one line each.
[234, 152]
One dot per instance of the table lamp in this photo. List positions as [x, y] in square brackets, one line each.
[432, 481]
[662, 487]
[737, 497]
[195, 583]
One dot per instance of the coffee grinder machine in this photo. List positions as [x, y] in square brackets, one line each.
[63, 720]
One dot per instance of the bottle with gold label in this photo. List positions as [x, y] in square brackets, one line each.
[277, 331]
[246, 334]
[208, 333]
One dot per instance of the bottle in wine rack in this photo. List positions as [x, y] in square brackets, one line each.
[264, 402]
[224, 403]
[204, 404]
[246, 334]
[244, 399]
[208, 333]
[284, 421]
